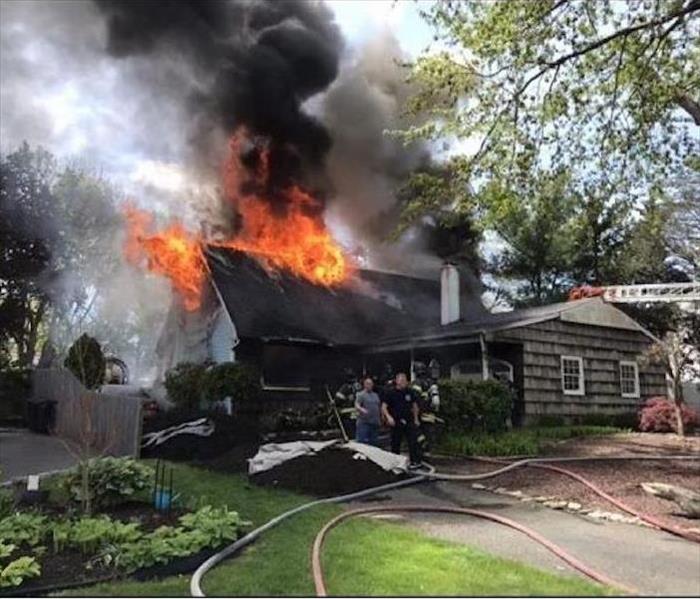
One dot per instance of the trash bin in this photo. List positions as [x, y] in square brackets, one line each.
[41, 416]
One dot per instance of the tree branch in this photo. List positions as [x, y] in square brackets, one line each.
[692, 107]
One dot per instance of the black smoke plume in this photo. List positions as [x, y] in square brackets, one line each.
[254, 63]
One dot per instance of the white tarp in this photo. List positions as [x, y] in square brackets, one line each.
[274, 454]
[391, 462]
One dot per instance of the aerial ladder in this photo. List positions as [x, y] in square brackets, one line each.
[634, 294]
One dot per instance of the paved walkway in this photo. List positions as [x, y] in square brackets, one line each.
[23, 453]
[650, 561]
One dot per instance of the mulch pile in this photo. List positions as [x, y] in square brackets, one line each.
[618, 478]
[330, 472]
[229, 432]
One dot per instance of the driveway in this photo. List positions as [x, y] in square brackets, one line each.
[650, 561]
[23, 452]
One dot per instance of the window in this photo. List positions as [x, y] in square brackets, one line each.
[629, 379]
[572, 375]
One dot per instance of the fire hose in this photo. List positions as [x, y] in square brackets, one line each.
[195, 582]
[317, 570]
[655, 522]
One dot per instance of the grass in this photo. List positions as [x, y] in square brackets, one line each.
[361, 557]
[526, 441]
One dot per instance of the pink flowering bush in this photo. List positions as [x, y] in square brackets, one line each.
[658, 415]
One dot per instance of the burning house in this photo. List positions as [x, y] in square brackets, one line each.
[266, 282]
[567, 359]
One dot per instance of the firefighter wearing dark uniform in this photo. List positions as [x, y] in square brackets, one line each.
[401, 411]
[345, 398]
[426, 387]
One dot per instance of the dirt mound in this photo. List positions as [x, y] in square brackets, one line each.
[330, 472]
[229, 432]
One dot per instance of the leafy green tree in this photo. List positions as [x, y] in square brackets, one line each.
[539, 236]
[86, 361]
[26, 239]
[594, 86]
[575, 110]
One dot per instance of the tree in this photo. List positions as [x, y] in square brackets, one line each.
[593, 96]
[539, 236]
[86, 361]
[26, 237]
[681, 361]
[604, 89]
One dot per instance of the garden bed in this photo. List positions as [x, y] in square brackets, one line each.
[52, 546]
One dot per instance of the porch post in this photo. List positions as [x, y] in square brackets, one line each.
[484, 357]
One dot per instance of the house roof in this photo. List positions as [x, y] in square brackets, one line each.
[280, 305]
[592, 311]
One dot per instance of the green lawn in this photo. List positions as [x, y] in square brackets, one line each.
[523, 441]
[361, 556]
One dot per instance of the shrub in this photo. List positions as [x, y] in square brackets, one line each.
[475, 405]
[184, 384]
[86, 361]
[7, 503]
[111, 480]
[658, 415]
[238, 381]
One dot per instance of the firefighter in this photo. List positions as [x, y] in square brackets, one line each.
[401, 412]
[345, 398]
[426, 387]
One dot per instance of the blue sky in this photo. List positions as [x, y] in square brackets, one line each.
[361, 19]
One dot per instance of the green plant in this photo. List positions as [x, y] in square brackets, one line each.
[17, 571]
[207, 527]
[475, 405]
[23, 527]
[6, 549]
[110, 480]
[184, 384]
[218, 524]
[7, 503]
[528, 441]
[86, 361]
[238, 381]
[88, 534]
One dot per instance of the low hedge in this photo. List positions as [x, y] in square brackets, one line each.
[475, 405]
[527, 441]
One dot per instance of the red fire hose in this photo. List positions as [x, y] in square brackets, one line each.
[317, 570]
[685, 534]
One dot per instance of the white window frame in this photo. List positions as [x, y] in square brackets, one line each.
[581, 390]
[635, 366]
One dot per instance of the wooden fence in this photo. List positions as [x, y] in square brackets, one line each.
[111, 423]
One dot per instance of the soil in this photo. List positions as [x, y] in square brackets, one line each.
[229, 432]
[235, 460]
[148, 517]
[70, 568]
[621, 479]
[328, 473]
[60, 570]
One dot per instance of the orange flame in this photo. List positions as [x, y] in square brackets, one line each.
[294, 239]
[172, 252]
